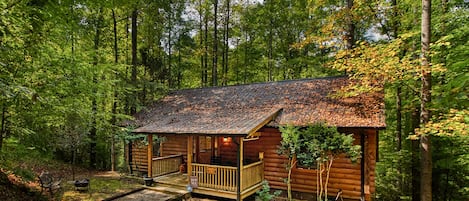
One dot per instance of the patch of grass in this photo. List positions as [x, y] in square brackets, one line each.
[100, 188]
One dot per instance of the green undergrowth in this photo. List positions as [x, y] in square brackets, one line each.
[100, 188]
[26, 163]
[23, 161]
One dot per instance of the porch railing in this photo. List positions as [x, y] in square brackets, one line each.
[166, 164]
[225, 177]
[252, 175]
[215, 176]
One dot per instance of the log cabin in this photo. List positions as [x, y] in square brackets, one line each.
[230, 135]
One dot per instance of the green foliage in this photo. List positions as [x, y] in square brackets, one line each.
[290, 146]
[20, 159]
[451, 167]
[317, 145]
[322, 143]
[265, 194]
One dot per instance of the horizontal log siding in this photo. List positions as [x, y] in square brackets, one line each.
[139, 157]
[344, 175]
[175, 145]
[228, 151]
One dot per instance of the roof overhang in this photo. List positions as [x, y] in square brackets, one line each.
[247, 126]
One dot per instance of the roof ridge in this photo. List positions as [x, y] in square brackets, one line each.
[260, 83]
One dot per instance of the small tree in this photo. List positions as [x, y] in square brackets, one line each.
[290, 146]
[321, 146]
[73, 134]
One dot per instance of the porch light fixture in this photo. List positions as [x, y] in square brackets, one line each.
[226, 139]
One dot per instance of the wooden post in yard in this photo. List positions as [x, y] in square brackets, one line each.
[150, 155]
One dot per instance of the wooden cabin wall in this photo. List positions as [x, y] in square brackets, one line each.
[174, 145]
[228, 151]
[139, 156]
[344, 175]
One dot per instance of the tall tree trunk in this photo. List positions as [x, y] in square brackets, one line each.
[179, 73]
[206, 49]
[350, 38]
[170, 47]
[226, 36]
[425, 142]
[201, 37]
[415, 156]
[270, 53]
[398, 101]
[94, 104]
[114, 104]
[246, 58]
[3, 126]
[215, 44]
[398, 87]
[133, 107]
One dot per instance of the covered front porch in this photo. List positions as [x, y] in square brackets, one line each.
[211, 170]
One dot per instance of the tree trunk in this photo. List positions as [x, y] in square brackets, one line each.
[415, 120]
[179, 74]
[202, 72]
[114, 104]
[246, 60]
[270, 43]
[215, 45]
[425, 142]
[350, 38]
[236, 66]
[133, 107]
[290, 168]
[170, 46]
[398, 118]
[94, 104]
[206, 50]
[227, 48]
[328, 171]
[3, 127]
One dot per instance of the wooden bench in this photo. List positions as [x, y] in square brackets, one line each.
[47, 182]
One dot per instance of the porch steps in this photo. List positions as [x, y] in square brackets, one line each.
[164, 188]
[173, 184]
[175, 179]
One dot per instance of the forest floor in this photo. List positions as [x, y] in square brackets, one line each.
[102, 185]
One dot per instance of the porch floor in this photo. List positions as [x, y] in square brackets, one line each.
[174, 179]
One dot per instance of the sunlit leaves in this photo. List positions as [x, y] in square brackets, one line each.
[453, 123]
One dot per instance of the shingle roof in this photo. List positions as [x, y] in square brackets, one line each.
[240, 109]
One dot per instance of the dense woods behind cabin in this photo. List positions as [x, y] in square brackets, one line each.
[71, 71]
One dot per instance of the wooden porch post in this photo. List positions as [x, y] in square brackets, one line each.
[197, 149]
[190, 144]
[150, 154]
[239, 169]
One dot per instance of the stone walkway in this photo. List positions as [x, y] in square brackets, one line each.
[145, 195]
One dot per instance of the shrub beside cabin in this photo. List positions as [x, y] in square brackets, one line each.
[229, 136]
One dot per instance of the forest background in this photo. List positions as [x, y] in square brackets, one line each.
[71, 70]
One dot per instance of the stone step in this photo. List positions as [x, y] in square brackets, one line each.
[168, 189]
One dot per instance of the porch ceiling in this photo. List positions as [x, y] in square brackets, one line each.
[216, 121]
